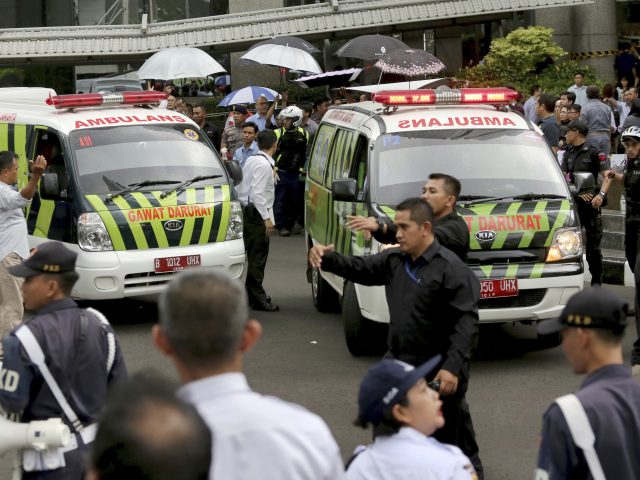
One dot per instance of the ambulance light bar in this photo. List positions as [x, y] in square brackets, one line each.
[492, 96]
[95, 99]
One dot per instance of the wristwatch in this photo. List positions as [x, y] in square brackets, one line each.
[382, 224]
[602, 194]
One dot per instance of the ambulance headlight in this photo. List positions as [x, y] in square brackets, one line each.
[92, 234]
[566, 244]
[234, 230]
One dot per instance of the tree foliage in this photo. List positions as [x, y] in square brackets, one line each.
[525, 57]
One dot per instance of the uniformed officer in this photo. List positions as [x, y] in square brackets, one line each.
[441, 192]
[580, 157]
[592, 325]
[62, 361]
[433, 305]
[631, 180]
[405, 412]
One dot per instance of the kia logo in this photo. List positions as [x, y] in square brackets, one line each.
[485, 235]
[173, 225]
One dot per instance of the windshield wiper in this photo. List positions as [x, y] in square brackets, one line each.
[472, 197]
[524, 196]
[135, 186]
[186, 183]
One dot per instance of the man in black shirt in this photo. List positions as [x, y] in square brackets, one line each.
[433, 305]
[631, 181]
[441, 192]
[580, 157]
[545, 109]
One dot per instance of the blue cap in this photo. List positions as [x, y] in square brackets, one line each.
[387, 383]
[48, 257]
[590, 308]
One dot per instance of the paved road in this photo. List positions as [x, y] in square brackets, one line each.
[302, 358]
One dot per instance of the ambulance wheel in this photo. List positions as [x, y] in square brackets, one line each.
[364, 337]
[549, 341]
[325, 298]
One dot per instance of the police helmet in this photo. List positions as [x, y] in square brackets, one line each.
[631, 132]
[293, 112]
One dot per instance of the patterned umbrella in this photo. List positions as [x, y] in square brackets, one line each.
[370, 47]
[248, 95]
[410, 62]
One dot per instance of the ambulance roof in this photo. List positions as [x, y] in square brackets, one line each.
[28, 106]
[432, 117]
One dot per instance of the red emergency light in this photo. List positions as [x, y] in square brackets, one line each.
[96, 99]
[493, 96]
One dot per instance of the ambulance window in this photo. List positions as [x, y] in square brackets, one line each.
[359, 167]
[342, 155]
[320, 153]
[48, 145]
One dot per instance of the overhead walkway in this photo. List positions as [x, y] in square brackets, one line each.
[236, 32]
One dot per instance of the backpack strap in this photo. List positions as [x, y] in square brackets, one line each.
[581, 432]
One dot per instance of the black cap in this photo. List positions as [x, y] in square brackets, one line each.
[579, 126]
[48, 257]
[387, 383]
[240, 109]
[590, 308]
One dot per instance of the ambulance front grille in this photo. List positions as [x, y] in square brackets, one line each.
[526, 298]
[147, 279]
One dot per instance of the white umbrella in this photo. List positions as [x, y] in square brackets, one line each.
[179, 62]
[283, 56]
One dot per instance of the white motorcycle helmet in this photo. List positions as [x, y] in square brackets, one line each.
[631, 132]
[293, 112]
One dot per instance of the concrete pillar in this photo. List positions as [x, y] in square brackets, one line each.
[584, 28]
[261, 75]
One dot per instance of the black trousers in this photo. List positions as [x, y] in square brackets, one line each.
[256, 244]
[591, 220]
[631, 247]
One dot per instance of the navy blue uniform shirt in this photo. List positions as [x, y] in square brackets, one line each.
[79, 366]
[611, 398]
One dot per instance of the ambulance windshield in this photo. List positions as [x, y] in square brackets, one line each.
[110, 159]
[488, 163]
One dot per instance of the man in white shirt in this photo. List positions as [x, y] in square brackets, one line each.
[256, 194]
[579, 89]
[531, 103]
[14, 245]
[204, 327]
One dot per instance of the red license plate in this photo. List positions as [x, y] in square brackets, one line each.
[507, 287]
[173, 264]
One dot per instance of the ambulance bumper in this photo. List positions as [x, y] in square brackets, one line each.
[112, 275]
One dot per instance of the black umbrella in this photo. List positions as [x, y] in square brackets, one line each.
[370, 47]
[294, 42]
[410, 62]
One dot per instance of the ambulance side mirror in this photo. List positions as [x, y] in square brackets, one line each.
[584, 183]
[49, 187]
[345, 190]
[234, 170]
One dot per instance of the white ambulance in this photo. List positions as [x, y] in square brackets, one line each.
[138, 192]
[525, 238]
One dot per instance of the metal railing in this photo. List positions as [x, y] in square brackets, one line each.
[112, 14]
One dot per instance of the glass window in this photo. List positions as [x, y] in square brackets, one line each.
[320, 153]
[488, 162]
[109, 159]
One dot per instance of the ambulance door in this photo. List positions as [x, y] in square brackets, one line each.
[53, 218]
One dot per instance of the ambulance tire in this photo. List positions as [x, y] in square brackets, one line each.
[325, 298]
[364, 337]
[549, 341]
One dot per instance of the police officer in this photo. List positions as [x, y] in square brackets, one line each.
[290, 160]
[631, 180]
[64, 358]
[592, 326]
[433, 304]
[404, 412]
[441, 192]
[580, 157]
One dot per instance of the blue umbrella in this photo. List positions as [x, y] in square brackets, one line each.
[223, 80]
[248, 95]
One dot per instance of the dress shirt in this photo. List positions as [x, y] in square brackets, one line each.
[550, 130]
[596, 115]
[257, 186]
[262, 437]
[13, 237]
[242, 153]
[581, 94]
[261, 122]
[530, 109]
[410, 455]
[623, 109]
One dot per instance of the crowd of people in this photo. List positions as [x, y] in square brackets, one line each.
[66, 362]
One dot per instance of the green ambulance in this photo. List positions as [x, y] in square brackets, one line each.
[138, 192]
[525, 236]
